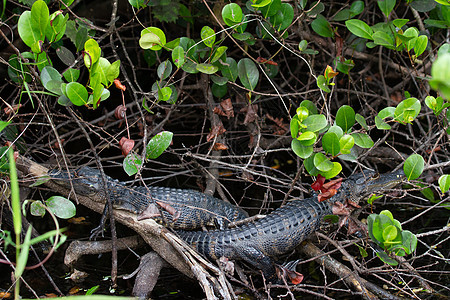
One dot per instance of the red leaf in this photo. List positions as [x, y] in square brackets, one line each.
[126, 145]
[317, 185]
[119, 85]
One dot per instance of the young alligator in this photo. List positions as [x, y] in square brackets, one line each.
[257, 242]
[286, 227]
[192, 209]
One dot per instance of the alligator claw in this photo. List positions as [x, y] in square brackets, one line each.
[150, 212]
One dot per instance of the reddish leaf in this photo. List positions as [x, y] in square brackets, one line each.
[119, 85]
[120, 112]
[251, 115]
[332, 184]
[216, 131]
[170, 209]
[266, 61]
[317, 185]
[219, 146]
[218, 111]
[126, 145]
[12, 109]
[227, 107]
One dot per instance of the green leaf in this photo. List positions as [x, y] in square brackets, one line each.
[57, 26]
[230, 70]
[322, 84]
[309, 166]
[65, 55]
[420, 45]
[307, 138]
[219, 91]
[372, 198]
[3, 125]
[383, 39]
[271, 9]
[283, 18]
[178, 56]
[345, 117]
[28, 31]
[399, 23]
[219, 80]
[315, 123]
[409, 241]
[330, 143]
[387, 112]
[361, 121]
[37, 209]
[337, 130]
[346, 143]
[131, 163]
[40, 17]
[301, 150]
[113, 71]
[359, 28]
[92, 52]
[386, 6]
[51, 80]
[322, 27]
[362, 140]
[385, 258]
[261, 3]
[390, 233]
[362, 251]
[218, 53]
[208, 36]
[413, 166]
[335, 170]
[440, 72]
[380, 124]
[164, 70]
[158, 144]
[232, 14]
[407, 110]
[77, 93]
[444, 183]
[152, 38]
[248, 73]
[207, 68]
[322, 163]
[310, 106]
[61, 207]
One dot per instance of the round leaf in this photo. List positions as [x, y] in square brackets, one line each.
[390, 233]
[178, 56]
[413, 166]
[158, 144]
[407, 110]
[335, 170]
[346, 143]
[345, 117]
[208, 36]
[307, 138]
[322, 27]
[77, 93]
[232, 14]
[315, 123]
[61, 207]
[322, 163]
[330, 143]
[301, 150]
[207, 68]
[230, 71]
[164, 69]
[444, 183]
[248, 73]
[152, 38]
[131, 163]
[37, 208]
[362, 140]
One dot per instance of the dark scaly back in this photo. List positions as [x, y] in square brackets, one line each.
[196, 209]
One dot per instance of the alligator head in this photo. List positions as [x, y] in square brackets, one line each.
[84, 180]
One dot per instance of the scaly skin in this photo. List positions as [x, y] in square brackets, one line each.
[257, 242]
[285, 228]
[195, 209]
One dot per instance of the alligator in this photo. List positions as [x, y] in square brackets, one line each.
[181, 208]
[257, 242]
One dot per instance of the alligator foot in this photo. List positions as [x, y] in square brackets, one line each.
[226, 265]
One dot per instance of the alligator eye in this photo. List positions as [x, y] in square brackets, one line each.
[376, 176]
